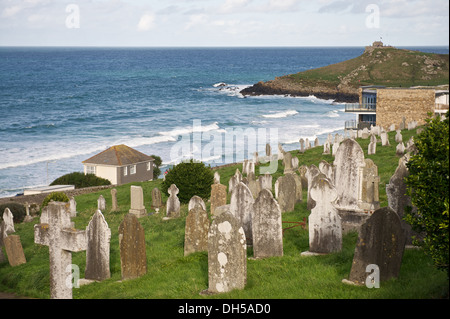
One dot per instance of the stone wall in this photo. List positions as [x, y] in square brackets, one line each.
[413, 104]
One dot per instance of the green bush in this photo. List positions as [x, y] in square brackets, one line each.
[157, 163]
[55, 196]
[18, 210]
[191, 178]
[428, 187]
[80, 180]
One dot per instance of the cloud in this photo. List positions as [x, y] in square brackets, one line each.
[147, 22]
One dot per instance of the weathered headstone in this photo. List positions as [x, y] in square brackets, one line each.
[286, 192]
[384, 139]
[241, 207]
[381, 242]
[398, 137]
[196, 200]
[137, 201]
[14, 250]
[216, 178]
[173, 203]
[265, 181]
[114, 204]
[372, 148]
[327, 169]
[316, 142]
[196, 230]
[97, 252]
[8, 219]
[302, 145]
[227, 255]
[294, 162]
[287, 162]
[298, 188]
[267, 226]
[156, 199]
[335, 148]
[101, 203]
[397, 197]
[57, 232]
[325, 231]
[281, 152]
[400, 149]
[218, 197]
[326, 148]
[268, 150]
[73, 207]
[303, 171]
[133, 257]
[253, 184]
[368, 199]
[313, 171]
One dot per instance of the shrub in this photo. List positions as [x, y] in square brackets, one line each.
[80, 180]
[428, 187]
[55, 196]
[156, 170]
[18, 210]
[191, 178]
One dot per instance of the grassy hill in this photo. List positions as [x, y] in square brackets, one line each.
[376, 66]
[172, 275]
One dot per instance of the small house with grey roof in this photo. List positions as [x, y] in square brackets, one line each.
[121, 165]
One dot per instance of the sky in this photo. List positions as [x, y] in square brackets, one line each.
[223, 23]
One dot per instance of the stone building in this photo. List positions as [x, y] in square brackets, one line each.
[385, 106]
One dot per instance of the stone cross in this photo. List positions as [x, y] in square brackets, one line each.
[133, 256]
[173, 203]
[325, 232]
[241, 206]
[227, 255]
[267, 226]
[137, 201]
[218, 197]
[114, 204]
[381, 242]
[196, 230]
[97, 252]
[56, 232]
[101, 203]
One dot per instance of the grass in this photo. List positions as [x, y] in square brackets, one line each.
[172, 276]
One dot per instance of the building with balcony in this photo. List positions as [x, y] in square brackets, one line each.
[385, 106]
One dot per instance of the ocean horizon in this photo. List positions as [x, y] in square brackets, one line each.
[62, 105]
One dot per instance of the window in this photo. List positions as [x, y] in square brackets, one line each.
[132, 169]
[125, 170]
[149, 166]
[90, 170]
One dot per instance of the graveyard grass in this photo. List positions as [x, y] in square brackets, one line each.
[171, 275]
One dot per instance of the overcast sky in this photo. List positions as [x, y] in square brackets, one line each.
[223, 22]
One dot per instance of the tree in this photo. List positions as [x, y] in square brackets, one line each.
[191, 178]
[428, 187]
[157, 163]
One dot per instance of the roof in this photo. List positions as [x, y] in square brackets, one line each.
[118, 155]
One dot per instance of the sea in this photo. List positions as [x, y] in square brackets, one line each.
[61, 105]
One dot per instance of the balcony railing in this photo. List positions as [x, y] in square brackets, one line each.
[356, 107]
[441, 107]
[355, 125]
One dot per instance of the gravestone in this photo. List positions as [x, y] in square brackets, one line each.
[316, 142]
[335, 148]
[156, 199]
[325, 231]
[101, 203]
[114, 204]
[227, 255]
[196, 200]
[73, 207]
[400, 149]
[303, 171]
[253, 184]
[234, 180]
[287, 162]
[368, 199]
[326, 148]
[241, 207]
[294, 162]
[298, 188]
[267, 226]
[398, 137]
[14, 250]
[307, 144]
[133, 257]
[372, 148]
[286, 192]
[56, 231]
[384, 139]
[8, 220]
[381, 242]
[281, 152]
[268, 150]
[98, 246]
[137, 201]
[216, 178]
[302, 145]
[218, 197]
[397, 197]
[196, 230]
[327, 169]
[173, 203]
[347, 164]
[265, 181]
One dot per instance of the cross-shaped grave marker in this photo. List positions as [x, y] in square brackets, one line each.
[56, 232]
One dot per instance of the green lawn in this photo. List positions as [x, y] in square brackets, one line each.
[171, 275]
